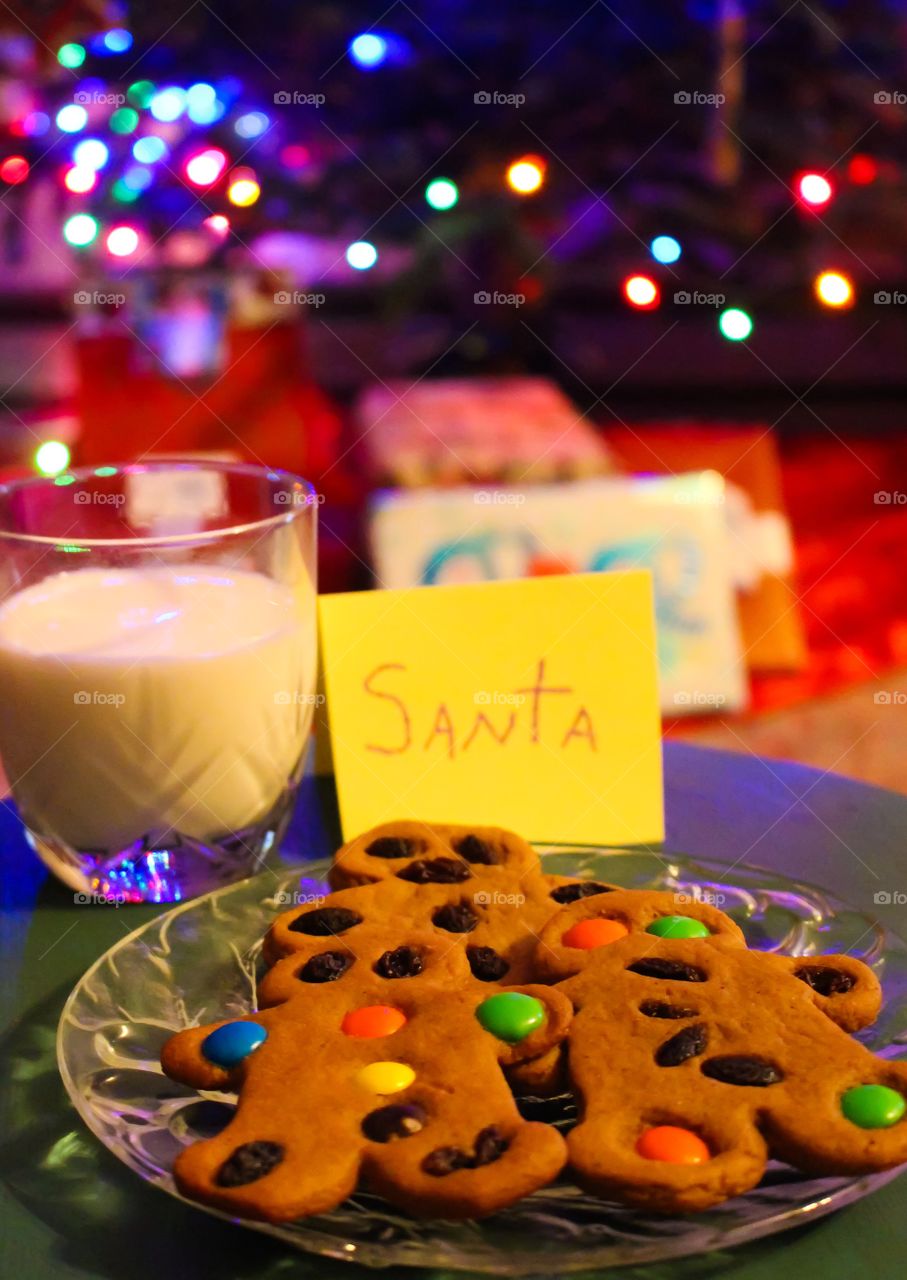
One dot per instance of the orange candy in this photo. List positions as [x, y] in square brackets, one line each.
[673, 1145]
[586, 935]
[372, 1021]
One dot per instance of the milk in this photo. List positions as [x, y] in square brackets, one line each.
[153, 700]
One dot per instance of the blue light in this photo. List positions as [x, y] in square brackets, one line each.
[137, 178]
[90, 154]
[202, 103]
[36, 124]
[118, 40]
[168, 104]
[665, 249]
[150, 149]
[72, 118]
[368, 50]
[252, 124]
[361, 255]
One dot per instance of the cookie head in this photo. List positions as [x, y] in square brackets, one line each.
[429, 853]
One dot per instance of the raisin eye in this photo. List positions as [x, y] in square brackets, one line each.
[326, 922]
[327, 967]
[393, 847]
[404, 962]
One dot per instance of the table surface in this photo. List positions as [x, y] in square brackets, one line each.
[70, 1209]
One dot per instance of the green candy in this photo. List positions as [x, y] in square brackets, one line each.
[511, 1015]
[873, 1106]
[678, 927]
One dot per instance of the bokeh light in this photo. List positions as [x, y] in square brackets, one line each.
[13, 170]
[150, 149]
[243, 188]
[862, 169]
[71, 55]
[735, 324]
[80, 180]
[441, 193]
[218, 223]
[641, 292]
[122, 241]
[124, 120]
[168, 104]
[205, 167]
[814, 189]
[80, 230]
[52, 457]
[252, 125]
[118, 40]
[665, 249]
[368, 50]
[35, 124]
[526, 175]
[72, 117]
[137, 177]
[202, 103]
[833, 289]
[140, 93]
[361, 255]
[92, 153]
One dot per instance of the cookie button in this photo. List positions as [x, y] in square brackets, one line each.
[672, 1145]
[385, 1077]
[511, 1015]
[873, 1106]
[372, 1021]
[586, 935]
[678, 927]
[229, 1044]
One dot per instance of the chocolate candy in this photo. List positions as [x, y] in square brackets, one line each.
[372, 1021]
[456, 917]
[229, 1044]
[404, 962]
[326, 922]
[490, 1146]
[658, 1009]
[511, 1015]
[672, 1145]
[400, 1120]
[478, 851]
[565, 893]
[825, 980]
[327, 967]
[873, 1106]
[678, 927]
[248, 1163]
[586, 935]
[486, 964]
[385, 1077]
[688, 1043]
[393, 847]
[436, 871]
[738, 1068]
[656, 967]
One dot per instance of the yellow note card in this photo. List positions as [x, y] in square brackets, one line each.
[530, 704]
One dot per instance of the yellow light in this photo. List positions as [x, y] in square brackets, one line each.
[243, 188]
[834, 289]
[640, 291]
[52, 457]
[526, 175]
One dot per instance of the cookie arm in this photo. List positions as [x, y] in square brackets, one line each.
[525, 1021]
[846, 990]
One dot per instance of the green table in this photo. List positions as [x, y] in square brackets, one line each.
[69, 1209]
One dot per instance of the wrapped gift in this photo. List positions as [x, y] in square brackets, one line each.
[675, 526]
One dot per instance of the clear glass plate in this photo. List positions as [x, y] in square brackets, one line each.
[199, 962]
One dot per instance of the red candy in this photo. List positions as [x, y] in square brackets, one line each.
[372, 1021]
[672, 1145]
[586, 935]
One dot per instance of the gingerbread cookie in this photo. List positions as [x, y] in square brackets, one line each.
[694, 1058]
[375, 1059]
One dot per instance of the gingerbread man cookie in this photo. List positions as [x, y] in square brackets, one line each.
[372, 1061]
[693, 1058]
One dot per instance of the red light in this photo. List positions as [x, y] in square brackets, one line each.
[814, 189]
[295, 155]
[79, 180]
[13, 170]
[641, 292]
[217, 223]
[205, 167]
[862, 170]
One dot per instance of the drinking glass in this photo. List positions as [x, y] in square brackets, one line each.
[157, 670]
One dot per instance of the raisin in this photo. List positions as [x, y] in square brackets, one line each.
[827, 981]
[436, 871]
[658, 1009]
[393, 847]
[456, 917]
[404, 962]
[326, 921]
[444, 1160]
[740, 1069]
[486, 964]
[688, 1043]
[655, 967]
[580, 889]
[490, 1146]
[248, 1163]
[327, 967]
[475, 850]
[402, 1120]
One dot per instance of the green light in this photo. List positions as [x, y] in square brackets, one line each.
[80, 230]
[120, 191]
[71, 547]
[441, 193]
[71, 55]
[124, 120]
[735, 325]
[105, 471]
[51, 458]
[140, 93]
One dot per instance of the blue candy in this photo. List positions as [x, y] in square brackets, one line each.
[232, 1042]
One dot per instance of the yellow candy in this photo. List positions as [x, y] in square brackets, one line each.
[386, 1077]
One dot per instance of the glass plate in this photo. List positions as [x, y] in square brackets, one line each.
[199, 962]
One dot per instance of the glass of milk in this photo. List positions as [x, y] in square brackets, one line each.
[157, 670]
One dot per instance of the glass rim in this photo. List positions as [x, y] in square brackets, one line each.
[164, 540]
